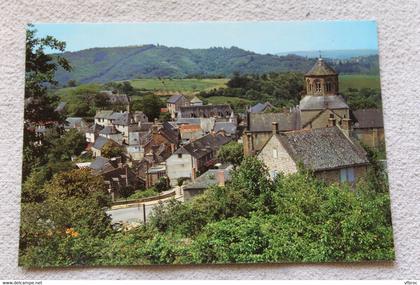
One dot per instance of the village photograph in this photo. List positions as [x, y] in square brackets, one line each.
[203, 143]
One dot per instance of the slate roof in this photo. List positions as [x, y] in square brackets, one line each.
[321, 68]
[205, 111]
[100, 142]
[368, 118]
[74, 122]
[123, 119]
[99, 163]
[260, 107]
[118, 98]
[194, 121]
[262, 122]
[170, 132]
[94, 128]
[323, 148]
[108, 130]
[209, 178]
[226, 126]
[174, 98]
[322, 102]
[204, 145]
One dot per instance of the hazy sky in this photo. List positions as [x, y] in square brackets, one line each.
[260, 37]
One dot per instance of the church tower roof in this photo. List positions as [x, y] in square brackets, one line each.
[321, 68]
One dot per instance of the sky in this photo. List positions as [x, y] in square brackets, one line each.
[259, 37]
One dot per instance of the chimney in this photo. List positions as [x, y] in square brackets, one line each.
[250, 143]
[331, 121]
[345, 126]
[193, 174]
[275, 127]
[220, 178]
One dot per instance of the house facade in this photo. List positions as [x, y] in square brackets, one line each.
[175, 102]
[328, 152]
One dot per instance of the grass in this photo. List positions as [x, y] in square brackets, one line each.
[359, 81]
[165, 85]
[228, 100]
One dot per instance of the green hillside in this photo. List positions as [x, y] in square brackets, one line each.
[190, 85]
[151, 61]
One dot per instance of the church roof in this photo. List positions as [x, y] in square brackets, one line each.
[323, 148]
[322, 102]
[321, 68]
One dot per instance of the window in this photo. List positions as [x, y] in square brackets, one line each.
[308, 83]
[329, 86]
[317, 86]
[179, 155]
[275, 153]
[347, 175]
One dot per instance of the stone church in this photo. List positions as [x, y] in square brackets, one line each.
[322, 106]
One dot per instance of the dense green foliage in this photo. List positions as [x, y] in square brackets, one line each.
[282, 89]
[111, 150]
[252, 219]
[150, 105]
[152, 61]
[231, 153]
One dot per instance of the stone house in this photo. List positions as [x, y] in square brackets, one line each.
[328, 152]
[195, 157]
[258, 130]
[368, 126]
[209, 178]
[190, 132]
[116, 175]
[100, 142]
[175, 102]
[76, 123]
[196, 101]
[261, 107]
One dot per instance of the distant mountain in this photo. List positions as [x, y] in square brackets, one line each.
[148, 61]
[333, 54]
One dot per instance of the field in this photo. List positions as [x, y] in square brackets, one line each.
[229, 100]
[359, 81]
[165, 85]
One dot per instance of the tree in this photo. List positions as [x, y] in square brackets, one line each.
[150, 105]
[111, 149]
[39, 106]
[64, 147]
[231, 153]
[71, 83]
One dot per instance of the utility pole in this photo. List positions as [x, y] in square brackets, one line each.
[144, 213]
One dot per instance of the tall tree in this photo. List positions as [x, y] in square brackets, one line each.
[39, 106]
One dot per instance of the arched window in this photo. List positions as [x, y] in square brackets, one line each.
[328, 86]
[317, 86]
[308, 83]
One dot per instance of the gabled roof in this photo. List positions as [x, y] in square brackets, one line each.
[368, 118]
[99, 163]
[174, 98]
[196, 100]
[228, 127]
[122, 119]
[321, 68]
[95, 128]
[100, 142]
[170, 132]
[323, 148]
[108, 130]
[260, 107]
[74, 122]
[210, 178]
[204, 145]
[310, 102]
[262, 122]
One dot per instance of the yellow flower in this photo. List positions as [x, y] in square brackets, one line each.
[74, 234]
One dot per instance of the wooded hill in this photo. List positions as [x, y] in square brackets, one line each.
[151, 61]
